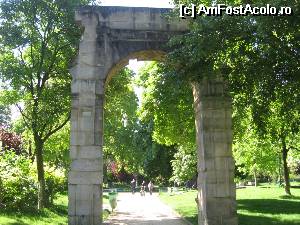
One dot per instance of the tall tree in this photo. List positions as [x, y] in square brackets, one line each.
[167, 100]
[38, 39]
[167, 103]
[265, 77]
[121, 122]
[259, 57]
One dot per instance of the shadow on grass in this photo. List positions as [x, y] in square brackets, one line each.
[17, 222]
[270, 206]
[60, 210]
[289, 197]
[192, 219]
[261, 220]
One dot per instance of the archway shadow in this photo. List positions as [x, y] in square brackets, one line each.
[269, 206]
[262, 220]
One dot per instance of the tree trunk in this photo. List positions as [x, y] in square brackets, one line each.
[255, 178]
[285, 168]
[279, 170]
[41, 174]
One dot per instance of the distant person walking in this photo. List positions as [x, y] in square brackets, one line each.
[143, 187]
[150, 187]
[133, 183]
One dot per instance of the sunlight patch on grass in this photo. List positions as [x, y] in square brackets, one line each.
[256, 205]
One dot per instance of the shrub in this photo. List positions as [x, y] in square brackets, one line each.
[18, 189]
[18, 183]
[10, 141]
[54, 184]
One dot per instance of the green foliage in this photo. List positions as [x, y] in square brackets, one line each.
[38, 40]
[54, 184]
[120, 122]
[57, 149]
[129, 146]
[4, 115]
[252, 153]
[258, 56]
[184, 165]
[168, 101]
[17, 182]
[157, 164]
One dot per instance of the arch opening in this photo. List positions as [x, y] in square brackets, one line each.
[145, 55]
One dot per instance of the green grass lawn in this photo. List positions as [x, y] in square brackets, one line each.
[56, 215]
[265, 205]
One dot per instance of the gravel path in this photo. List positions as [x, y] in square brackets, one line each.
[138, 210]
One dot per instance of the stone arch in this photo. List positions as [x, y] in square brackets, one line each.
[113, 35]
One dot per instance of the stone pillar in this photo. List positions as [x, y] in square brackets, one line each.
[216, 187]
[85, 177]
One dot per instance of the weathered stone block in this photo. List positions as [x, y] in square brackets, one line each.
[97, 199]
[72, 200]
[86, 121]
[88, 47]
[85, 152]
[98, 122]
[83, 86]
[222, 190]
[95, 164]
[83, 207]
[224, 163]
[74, 125]
[223, 136]
[87, 100]
[98, 138]
[82, 138]
[210, 177]
[210, 190]
[84, 192]
[230, 221]
[222, 149]
[76, 177]
[212, 124]
[209, 164]
[208, 150]
[219, 208]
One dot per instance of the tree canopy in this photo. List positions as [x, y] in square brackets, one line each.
[38, 39]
